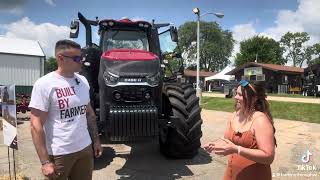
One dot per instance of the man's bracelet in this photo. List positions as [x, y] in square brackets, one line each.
[239, 150]
[45, 162]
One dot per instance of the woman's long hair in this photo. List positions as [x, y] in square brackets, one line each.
[255, 100]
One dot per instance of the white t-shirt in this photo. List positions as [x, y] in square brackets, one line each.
[65, 100]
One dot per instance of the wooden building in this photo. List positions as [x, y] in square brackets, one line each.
[277, 78]
[191, 76]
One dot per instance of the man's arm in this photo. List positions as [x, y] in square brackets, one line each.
[92, 124]
[93, 131]
[38, 118]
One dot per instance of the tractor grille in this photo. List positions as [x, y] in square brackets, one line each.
[128, 123]
[134, 93]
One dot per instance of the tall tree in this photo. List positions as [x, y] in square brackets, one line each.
[216, 45]
[294, 47]
[50, 65]
[316, 54]
[264, 49]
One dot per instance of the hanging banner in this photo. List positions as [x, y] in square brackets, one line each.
[252, 71]
[9, 115]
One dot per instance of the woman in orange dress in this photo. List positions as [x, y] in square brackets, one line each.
[249, 137]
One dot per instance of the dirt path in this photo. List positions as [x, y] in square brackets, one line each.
[144, 161]
[273, 98]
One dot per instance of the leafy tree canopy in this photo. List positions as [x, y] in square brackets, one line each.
[264, 49]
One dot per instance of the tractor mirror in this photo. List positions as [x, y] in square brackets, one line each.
[174, 34]
[74, 29]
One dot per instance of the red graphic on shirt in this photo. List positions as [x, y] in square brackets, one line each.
[63, 95]
[64, 92]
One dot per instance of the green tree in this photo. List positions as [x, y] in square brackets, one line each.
[293, 44]
[216, 45]
[50, 65]
[314, 61]
[264, 49]
[308, 53]
[316, 53]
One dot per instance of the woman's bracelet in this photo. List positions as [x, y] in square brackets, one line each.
[239, 150]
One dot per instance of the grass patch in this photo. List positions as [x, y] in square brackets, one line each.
[216, 103]
[290, 95]
[283, 110]
[214, 92]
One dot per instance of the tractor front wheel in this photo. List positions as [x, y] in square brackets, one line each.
[180, 136]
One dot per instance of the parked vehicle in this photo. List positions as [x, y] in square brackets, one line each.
[311, 81]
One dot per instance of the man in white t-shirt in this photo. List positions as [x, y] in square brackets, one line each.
[63, 123]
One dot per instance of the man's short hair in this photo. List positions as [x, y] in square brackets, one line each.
[66, 44]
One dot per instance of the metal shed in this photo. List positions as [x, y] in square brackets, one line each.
[21, 63]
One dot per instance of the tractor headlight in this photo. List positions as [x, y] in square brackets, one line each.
[154, 79]
[110, 79]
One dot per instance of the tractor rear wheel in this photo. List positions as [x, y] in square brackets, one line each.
[180, 136]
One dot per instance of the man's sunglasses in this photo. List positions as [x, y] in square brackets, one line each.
[74, 58]
[245, 83]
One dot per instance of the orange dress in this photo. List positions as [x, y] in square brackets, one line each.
[241, 168]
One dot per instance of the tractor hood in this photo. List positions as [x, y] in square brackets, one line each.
[131, 62]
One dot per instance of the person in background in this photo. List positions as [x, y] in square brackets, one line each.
[5, 96]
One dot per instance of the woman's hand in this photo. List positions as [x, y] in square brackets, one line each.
[208, 147]
[225, 148]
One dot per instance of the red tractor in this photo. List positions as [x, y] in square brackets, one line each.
[129, 90]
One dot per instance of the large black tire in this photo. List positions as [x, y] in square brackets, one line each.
[180, 137]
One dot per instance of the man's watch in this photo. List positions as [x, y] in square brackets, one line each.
[45, 162]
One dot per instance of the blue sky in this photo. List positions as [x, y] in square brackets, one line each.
[176, 11]
[48, 20]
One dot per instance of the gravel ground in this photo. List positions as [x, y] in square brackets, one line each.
[144, 161]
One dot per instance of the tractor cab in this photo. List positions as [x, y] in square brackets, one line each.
[129, 53]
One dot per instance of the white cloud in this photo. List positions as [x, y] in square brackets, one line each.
[50, 2]
[241, 32]
[46, 33]
[305, 18]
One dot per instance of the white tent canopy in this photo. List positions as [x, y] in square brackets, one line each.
[221, 75]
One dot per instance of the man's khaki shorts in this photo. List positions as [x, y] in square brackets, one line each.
[74, 166]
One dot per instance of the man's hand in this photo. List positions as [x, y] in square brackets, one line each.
[49, 170]
[97, 149]
[93, 131]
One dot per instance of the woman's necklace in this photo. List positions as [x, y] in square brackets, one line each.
[238, 133]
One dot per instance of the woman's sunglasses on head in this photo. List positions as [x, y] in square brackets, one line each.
[245, 83]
